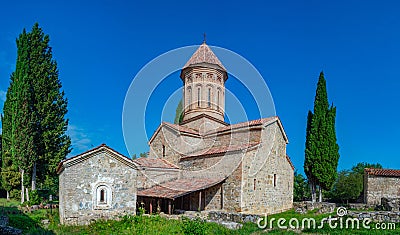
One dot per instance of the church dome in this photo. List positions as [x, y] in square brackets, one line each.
[204, 56]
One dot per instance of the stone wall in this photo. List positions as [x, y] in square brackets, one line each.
[79, 183]
[391, 204]
[377, 187]
[148, 177]
[376, 216]
[213, 197]
[267, 175]
[168, 138]
[232, 190]
[233, 217]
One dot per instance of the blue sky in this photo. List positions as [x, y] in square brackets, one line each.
[101, 45]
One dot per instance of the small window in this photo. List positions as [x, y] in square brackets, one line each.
[217, 100]
[254, 185]
[190, 98]
[274, 180]
[198, 96]
[209, 97]
[163, 151]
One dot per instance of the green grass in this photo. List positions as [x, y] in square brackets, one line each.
[30, 223]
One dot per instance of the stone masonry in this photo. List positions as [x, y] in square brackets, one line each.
[380, 183]
[82, 179]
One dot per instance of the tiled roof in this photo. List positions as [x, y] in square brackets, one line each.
[155, 163]
[220, 149]
[177, 188]
[245, 124]
[181, 128]
[382, 172]
[204, 55]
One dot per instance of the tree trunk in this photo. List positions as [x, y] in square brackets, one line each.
[313, 193]
[320, 194]
[34, 177]
[8, 195]
[22, 187]
[27, 194]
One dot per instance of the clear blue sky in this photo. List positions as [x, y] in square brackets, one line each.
[101, 45]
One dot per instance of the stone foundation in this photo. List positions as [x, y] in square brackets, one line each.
[391, 204]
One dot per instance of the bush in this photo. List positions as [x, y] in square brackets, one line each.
[15, 194]
[21, 221]
[193, 227]
[34, 198]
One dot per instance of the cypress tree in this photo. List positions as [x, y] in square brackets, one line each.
[322, 150]
[34, 122]
[179, 113]
[50, 107]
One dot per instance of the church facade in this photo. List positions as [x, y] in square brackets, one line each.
[204, 163]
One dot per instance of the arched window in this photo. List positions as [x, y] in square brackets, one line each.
[190, 97]
[209, 97]
[102, 196]
[198, 96]
[218, 100]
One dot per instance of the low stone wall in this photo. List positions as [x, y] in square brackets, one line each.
[232, 217]
[376, 216]
[322, 207]
[359, 206]
[390, 204]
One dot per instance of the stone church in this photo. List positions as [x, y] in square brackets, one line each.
[202, 163]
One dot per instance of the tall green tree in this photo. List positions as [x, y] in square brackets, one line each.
[322, 150]
[22, 120]
[50, 107]
[34, 122]
[10, 177]
[179, 113]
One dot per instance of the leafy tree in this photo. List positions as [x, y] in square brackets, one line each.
[34, 123]
[144, 154]
[300, 188]
[359, 168]
[348, 186]
[322, 150]
[179, 113]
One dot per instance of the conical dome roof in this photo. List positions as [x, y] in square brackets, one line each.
[204, 55]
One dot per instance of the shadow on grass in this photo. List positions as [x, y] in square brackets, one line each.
[29, 222]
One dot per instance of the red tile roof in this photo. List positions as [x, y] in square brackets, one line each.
[256, 122]
[155, 163]
[204, 55]
[382, 172]
[219, 150]
[177, 188]
[181, 128]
